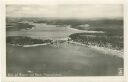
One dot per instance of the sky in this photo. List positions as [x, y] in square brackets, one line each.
[66, 11]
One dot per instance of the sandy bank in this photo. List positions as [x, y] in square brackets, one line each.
[107, 51]
[34, 45]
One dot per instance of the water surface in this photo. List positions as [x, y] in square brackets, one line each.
[71, 60]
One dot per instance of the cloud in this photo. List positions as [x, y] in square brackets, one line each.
[66, 11]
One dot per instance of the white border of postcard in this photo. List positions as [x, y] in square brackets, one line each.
[61, 79]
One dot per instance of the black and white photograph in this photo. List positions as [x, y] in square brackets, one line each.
[64, 40]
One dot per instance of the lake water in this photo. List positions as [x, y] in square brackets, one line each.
[44, 31]
[67, 60]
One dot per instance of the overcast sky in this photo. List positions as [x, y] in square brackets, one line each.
[65, 11]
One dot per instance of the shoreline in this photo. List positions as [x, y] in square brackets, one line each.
[34, 45]
[107, 51]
